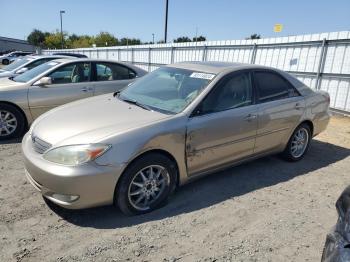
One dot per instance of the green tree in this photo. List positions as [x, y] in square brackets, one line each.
[182, 39]
[129, 41]
[199, 38]
[105, 39]
[37, 38]
[253, 36]
[81, 41]
[53, 40]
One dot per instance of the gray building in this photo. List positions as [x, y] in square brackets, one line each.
[10, 44]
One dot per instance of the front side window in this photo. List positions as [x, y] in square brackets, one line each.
[168, 90]
[71, 73]
[29, 75]
[109, 72]
[272, 87]
[233, 92]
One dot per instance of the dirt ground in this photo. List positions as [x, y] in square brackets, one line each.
[266, 210]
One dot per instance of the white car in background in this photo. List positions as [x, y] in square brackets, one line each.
[10, 57]
[26, 63]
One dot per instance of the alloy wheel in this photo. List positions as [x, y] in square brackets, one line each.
[147, 186]
[8, 123]
[299, 142]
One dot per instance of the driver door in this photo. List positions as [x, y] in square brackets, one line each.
[70, 82]
[223, 129]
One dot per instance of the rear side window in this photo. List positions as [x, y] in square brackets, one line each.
[272, 87]
[110, 72]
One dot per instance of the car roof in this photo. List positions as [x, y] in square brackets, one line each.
[215, 67]
[32, 57]
[139, 70]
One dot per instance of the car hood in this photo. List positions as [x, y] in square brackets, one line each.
[90, 120]
[7, 85]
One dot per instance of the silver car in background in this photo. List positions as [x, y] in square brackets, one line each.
[25, 97]
[26, 63]
[10, 57]
[174, 125]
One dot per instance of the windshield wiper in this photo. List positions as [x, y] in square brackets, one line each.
[134, 102]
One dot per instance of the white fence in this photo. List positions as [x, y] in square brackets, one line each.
[322, 61]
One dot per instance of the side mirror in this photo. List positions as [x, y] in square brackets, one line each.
[44, 81]
[22, 70]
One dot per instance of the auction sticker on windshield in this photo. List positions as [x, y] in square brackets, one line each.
[202, 75]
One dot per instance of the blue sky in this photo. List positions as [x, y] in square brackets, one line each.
[215, 19]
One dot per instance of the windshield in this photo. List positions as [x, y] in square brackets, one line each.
[30, 74]
[16, 64]
[167, 89]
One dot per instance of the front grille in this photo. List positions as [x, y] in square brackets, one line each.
[40, 146]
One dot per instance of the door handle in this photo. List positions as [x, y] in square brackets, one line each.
[250, 117]
[86, 89]
[298, 106]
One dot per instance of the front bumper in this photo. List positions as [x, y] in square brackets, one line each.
[83, 186]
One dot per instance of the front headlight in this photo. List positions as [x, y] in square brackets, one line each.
[74, 155]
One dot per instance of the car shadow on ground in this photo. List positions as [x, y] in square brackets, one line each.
[215, 188]
[11, 141]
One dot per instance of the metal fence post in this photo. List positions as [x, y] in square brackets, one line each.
[321, 63]
[118, 51]
[132, 55]
[172, 54]
[204, 57]
[252, 60]
[106, 53]
[149, 59]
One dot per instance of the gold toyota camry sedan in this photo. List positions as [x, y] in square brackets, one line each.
[134, 147]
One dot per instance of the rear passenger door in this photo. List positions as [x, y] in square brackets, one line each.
[111, 77]
[280, 108]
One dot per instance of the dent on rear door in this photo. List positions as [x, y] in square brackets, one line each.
[276, 121]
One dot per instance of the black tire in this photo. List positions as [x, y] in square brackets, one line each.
[5, 61]
[121, 196]
[21, 123]
[287, 153]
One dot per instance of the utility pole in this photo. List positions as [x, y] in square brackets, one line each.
[62, 12]
[166, 21]
[153, 38]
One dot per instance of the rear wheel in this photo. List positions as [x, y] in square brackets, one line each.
[146, 184]
[12, 122]
[5, 61]
[298, 144]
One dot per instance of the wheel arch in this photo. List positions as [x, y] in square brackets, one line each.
[151, 151]
[310, 124]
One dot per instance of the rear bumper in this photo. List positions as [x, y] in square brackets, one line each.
[77, 187]
[321, 123]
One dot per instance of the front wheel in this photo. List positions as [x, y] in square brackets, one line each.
[146, 184]
[298, 144]
[5, 61]
[12, 122]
